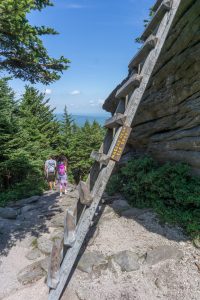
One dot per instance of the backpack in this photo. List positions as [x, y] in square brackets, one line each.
[51, 166]
[61, 169]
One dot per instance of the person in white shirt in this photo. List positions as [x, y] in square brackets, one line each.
[50, 172]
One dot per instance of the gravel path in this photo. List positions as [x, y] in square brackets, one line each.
[130, 255]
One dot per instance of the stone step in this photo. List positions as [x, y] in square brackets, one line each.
[129, 86]
[157, 18]
[143, 52]
[116, 120]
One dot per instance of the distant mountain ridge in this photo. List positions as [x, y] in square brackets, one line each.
[81, 119]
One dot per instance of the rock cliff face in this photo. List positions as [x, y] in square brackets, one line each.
[167, 123]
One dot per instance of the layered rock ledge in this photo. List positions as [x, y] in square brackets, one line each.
[167, 123]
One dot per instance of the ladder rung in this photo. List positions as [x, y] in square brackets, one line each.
[143, 52]
[163, 8]
[53, 276]
[100, 157]
[116, 120]
[70, 226]
[129, 86]
[84, 193]
[156, 5]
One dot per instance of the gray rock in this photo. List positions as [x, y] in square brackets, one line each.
[1, 228]
[70, 294]
[8, 213]
[93, 238]
[21, 203]
[44, 245]
[31, 273]
[9, 225]
[120, 205]
[57, 234]
[133, 212]
[29, 215]
[33, 254]
[92, 260]
[27, 208]
[167, 122]
[127, 260]
[163, 253]
[196, 243]
[58, 221]
[44, 264]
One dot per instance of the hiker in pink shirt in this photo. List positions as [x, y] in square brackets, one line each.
[62, 166]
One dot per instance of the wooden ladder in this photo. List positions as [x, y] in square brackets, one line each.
[118, 131]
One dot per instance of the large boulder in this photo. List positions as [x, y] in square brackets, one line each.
[127, 260]
[31, 273]
[8, 213]
[167, 123]
[163, 253]
[92, 260]
[44, 245]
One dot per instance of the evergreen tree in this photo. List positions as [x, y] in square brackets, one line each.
[28, 146]
[67, 128]
[8, 128]
[86, 139]
[22, 52]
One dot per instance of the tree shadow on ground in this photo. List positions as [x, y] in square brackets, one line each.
[31, 220]
[148, 218]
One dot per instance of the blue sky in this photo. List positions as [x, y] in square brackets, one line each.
[98, 38]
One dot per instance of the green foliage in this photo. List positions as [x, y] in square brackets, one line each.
[26, 141]
[169, 189]
[22, 52]
[29, 134]
[77, 144]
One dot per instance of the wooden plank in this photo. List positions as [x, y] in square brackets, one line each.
[53, 275]
[100, 157]
[86, 220]
[84, 193]
[121, 143]
[128, 87]
[143, 52]
[157, 18]
[72, 253]
[70, 226]
[156, 5]
[116, 120]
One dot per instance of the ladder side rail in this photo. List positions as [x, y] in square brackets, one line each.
[106, 172]
[150, 63]
[82, 231]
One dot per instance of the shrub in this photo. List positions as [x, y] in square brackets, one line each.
[169, 188]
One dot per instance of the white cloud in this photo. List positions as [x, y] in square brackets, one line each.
[73, 6]
[98, 102]
[101, 101]
[48, 91]
[75, 92]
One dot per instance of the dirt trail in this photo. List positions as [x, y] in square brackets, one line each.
[130, 256]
